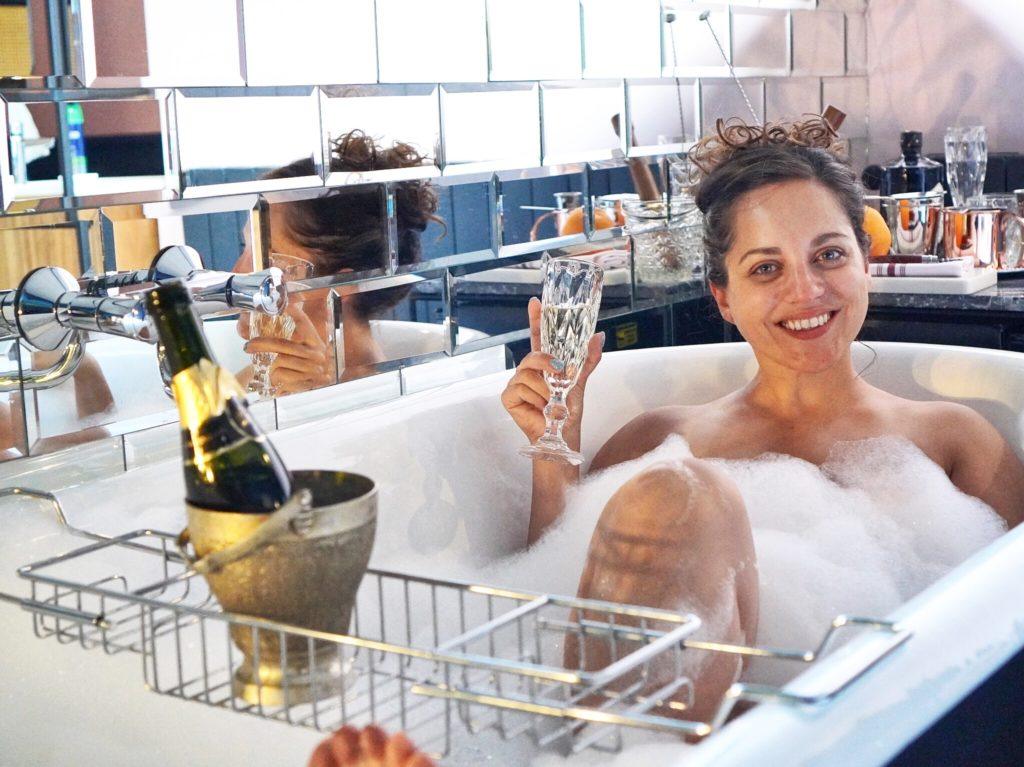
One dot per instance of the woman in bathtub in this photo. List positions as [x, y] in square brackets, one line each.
[787, 265]
[786, 256]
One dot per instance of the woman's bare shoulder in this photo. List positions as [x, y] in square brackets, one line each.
[643, 434]
[974, 454]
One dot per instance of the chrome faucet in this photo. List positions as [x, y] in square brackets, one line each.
[212, 290]
[50, 307]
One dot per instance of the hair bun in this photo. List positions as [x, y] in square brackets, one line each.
[733, 136]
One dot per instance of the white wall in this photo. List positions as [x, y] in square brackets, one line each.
[933, 63]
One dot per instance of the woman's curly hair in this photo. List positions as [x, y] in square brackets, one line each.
[739, 158]
[347, 228]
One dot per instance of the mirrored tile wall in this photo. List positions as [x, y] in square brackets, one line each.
[448, 155]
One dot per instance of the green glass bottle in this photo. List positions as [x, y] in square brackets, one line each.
[229, 463]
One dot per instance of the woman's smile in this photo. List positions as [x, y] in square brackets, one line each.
[807, 327]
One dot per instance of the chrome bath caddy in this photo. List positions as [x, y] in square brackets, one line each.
[426, 656]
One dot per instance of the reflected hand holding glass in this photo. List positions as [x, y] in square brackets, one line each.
[264, 329]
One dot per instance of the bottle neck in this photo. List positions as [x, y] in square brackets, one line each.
[184, 342]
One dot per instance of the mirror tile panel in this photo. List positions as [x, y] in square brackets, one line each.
[621, 41]
[721, 97]
[819, 43]
[118, 149]
[475, 141]
[534, 39]
[230, 143]
[333, 236]
[23, 40]
[282, 45]
[185, 43]
[391, 115]
[856, 44]
[662, 113]
[323, 403]
[10, 153]
[431, 41]
[71, 240]
[462, 228]
[489, 302]
[792, 97]
[578, 122]
[13, 434]
[850, 94]
[760, 41]
[545, 209]
[689, 47]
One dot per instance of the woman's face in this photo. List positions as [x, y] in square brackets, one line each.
[280, 241]
[797, 280]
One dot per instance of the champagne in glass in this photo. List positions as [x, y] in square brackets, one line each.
[570, 302]
[966, 161]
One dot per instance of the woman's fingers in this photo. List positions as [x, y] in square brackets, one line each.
[299, 364]
[345, 746]
[541, 361]
[518, 394]
[268, 345]
[533, 312]
[322, 756]
[398, 751]
[594, 352]
[373, 741]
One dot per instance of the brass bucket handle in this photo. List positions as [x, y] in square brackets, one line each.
[293, 519]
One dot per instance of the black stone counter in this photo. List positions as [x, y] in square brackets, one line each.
[1005, 296]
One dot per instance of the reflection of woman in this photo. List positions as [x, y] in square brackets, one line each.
[787, 265]
[342, 231]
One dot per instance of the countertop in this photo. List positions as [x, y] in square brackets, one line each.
[1005, 296]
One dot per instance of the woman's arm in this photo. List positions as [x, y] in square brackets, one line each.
[984, 465]
[524, 398]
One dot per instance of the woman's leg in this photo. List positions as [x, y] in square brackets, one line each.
[676, 536]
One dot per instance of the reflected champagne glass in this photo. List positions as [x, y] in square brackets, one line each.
[280, 325]
[570, 302]
[966, 161]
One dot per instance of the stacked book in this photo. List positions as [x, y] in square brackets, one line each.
[928, 274]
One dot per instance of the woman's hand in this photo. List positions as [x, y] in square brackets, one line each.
[369, 747]
[304, 361]
[527, 393]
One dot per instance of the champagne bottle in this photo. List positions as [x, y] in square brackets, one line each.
[229, 463]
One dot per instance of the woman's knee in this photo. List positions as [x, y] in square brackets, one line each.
[690, 488]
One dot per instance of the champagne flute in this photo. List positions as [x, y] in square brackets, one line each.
[966, 160]
[280, 325]
[570, 301]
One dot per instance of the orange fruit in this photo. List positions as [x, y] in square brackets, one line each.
[572, 223]
[878, 233]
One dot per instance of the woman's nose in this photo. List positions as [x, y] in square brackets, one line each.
[806, 283]
[244, 262]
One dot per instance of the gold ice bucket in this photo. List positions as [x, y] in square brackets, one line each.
[301, 566]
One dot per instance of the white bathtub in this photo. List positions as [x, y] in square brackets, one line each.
[433, 455]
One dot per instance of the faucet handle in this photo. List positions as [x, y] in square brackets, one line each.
[173, 262]
[259, 291]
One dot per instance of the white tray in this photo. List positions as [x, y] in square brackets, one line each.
[981, 279]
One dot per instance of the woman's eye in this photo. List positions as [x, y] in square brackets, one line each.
[763, 269]
[832, 255]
